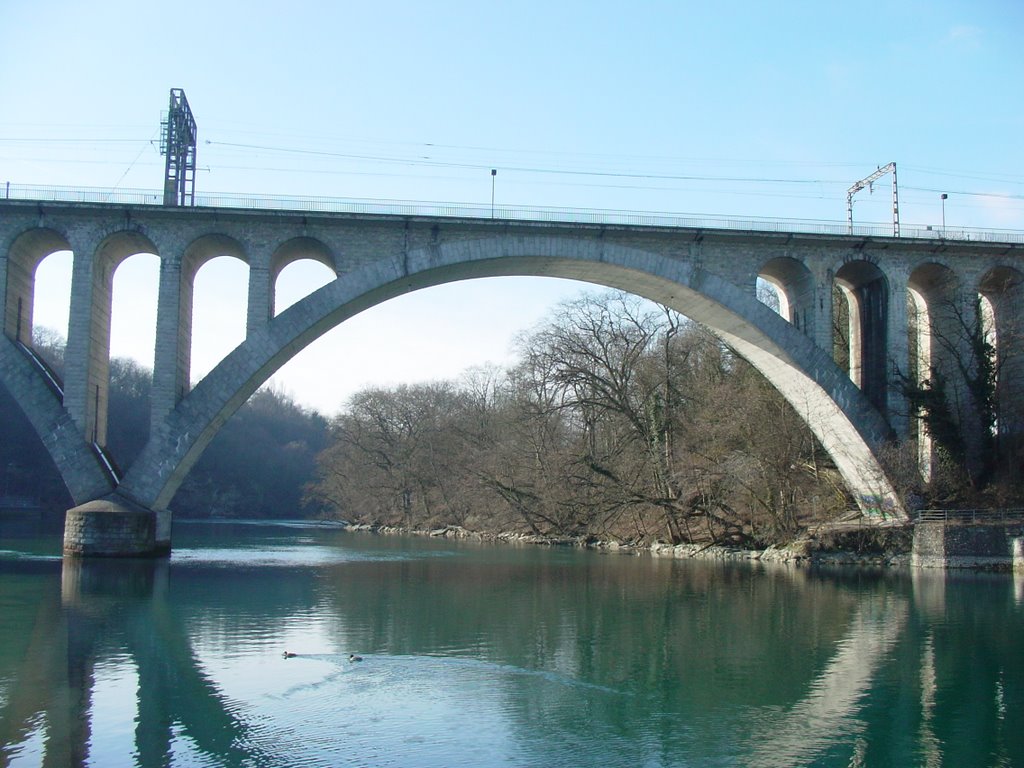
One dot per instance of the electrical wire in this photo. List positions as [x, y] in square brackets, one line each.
[514, 171]
[522, 169]
[1002, 195]
[131, 165]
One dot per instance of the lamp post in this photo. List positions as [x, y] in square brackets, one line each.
[494, 172]
[943, 197]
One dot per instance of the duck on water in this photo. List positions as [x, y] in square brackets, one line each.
[351, 657]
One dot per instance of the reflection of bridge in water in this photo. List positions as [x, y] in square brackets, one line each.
[848, 391]
[104, 605]
[812, 724]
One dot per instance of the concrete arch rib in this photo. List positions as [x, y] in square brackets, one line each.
[64, 441]
[847, 425]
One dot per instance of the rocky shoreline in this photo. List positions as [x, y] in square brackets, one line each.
[805, 551]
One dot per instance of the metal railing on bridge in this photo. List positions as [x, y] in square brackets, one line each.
[970, 516]
[504, 212]
[49, 375]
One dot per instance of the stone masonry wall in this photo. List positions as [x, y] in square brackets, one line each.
[945, 545]
[106, 528]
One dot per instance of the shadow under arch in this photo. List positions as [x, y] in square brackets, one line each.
[864, 292]
[849, 428]
[931, 293]
[1002, 291]
[794, 285]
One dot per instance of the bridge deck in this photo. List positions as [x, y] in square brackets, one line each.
[475, 211]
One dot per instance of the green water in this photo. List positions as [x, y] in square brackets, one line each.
[477, 655]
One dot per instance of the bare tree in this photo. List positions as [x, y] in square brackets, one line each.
[621, 420]
[957, 395]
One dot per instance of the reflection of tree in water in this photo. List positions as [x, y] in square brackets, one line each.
[689, 651]
[817, 666]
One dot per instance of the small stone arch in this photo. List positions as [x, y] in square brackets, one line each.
[205, 248]
[301, 248]
[25, 254]
[795, 286]
[297, 249]
[860, 315]
[200, 251]
[91, 353]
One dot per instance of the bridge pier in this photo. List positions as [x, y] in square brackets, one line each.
[115, 526]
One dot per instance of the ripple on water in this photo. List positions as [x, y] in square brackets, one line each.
[417, 711]
[271, 556]
[11, 554]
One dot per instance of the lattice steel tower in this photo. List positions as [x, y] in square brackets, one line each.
[868, 183]
[178, 144]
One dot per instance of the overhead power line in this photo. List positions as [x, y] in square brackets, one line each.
[521, 168]
[80, 140]
[1003, 195]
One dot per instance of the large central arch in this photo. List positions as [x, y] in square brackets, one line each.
[849, 428]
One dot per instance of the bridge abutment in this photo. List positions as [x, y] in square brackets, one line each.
[115, 526]
[943, 544]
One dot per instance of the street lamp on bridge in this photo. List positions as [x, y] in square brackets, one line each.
[494, 173]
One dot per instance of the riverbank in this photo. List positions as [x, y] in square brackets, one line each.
[880, 548]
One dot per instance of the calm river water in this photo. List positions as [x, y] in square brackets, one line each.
[488, 655]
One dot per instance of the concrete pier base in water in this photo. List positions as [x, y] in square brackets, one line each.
[116, 527]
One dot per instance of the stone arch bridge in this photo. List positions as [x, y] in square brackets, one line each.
[849, 398]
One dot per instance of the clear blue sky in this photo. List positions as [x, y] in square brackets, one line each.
[744, 108]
